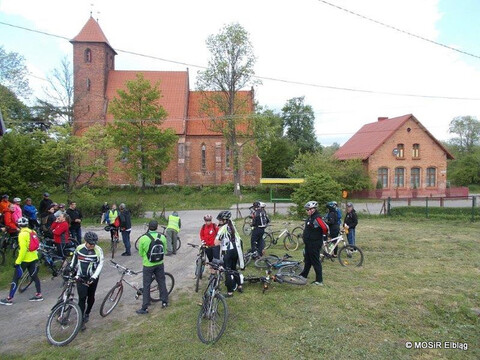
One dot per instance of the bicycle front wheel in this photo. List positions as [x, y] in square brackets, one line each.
[24, 282]
[290, 243]
[247, 226]
[198, 272]
[179, 244]
[113, 246]
[63, 323]
[155, 292]
[297, 233]
[212, 319]
[111, 300]
[291, 269]
[350, 256]
[263, 261]
[292, 279]
[268, 240]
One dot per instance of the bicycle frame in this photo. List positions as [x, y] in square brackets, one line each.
[335, 241]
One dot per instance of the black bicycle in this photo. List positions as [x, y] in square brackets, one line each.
[199, 263]
[213, 315]
[115, 294]
[65, 319]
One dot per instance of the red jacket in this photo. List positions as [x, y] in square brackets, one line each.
[208, 232]
[60, 232]
[9, 223]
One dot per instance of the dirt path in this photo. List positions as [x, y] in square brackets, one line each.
[23, 324]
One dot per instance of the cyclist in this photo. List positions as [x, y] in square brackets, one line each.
[313, 234]
[350, 223]
[151, 269]
[87, 263]
[45, 203]
[26, 260]
[173, 228]
[230, 241]
[4, 204]
[208, 232]
[61, 234]
[125, 227]
[111, 219]
[30, 212]
[332, 221]
[76, 217]
[17, 212]
[11, 225]
[260, 221]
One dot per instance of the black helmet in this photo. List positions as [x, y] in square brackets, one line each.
[91, 238]
[256, 204]
[153, 225]
[331, 205]
[224, 215]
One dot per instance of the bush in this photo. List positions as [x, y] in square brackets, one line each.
[318, 187]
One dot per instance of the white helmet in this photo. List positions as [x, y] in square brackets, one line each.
[311, 205]
[263, 205]
[17, 199]
[22, 222]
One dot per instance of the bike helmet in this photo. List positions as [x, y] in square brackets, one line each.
[331, 205]
[224, 215]
[349, 204]
[256, 204]
[310, 205]
[17, 200]
[263, 205]
[22, 222]
[207, 217]
[91, 238]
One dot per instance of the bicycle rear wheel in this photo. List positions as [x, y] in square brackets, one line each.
[350, 256]
[212, 319]
[262, 262]
[113, 246]
[291, 269]
[111, 300]
[268, 240]
[24, 282]
[63, 323]
[292, 279]
[298, 233]
[155, 292]
[247, 226]
[137, 242]
[290, 243]
[179, 244]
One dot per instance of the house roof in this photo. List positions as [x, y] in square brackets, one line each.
[174, 93]
[91, 32]
[373, 135]
[198, 122]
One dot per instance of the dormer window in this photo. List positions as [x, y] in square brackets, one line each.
[88, 55]
[416, 151]
[401, 151]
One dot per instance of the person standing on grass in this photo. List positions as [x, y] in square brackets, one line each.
[208, 232]
[26, 261]
[350, 223]
[173, 228]
[152, 269]
[87, 263]
[76, 217]
[314, 232]
[332, 221]
[260, 221]
[125, 228]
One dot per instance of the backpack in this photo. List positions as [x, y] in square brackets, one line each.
[34, 243]
[155, 250]
[339, 216]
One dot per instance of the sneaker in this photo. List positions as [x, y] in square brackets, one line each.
[86, 317]
[317, 283]
[164, 305]
[240, 289]
[227, 295]
[303, 277]
[84, 327]
[6, 301]
[142, 311]
[37, 297]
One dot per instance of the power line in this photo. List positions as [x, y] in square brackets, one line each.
[330, 87]
[399, 30]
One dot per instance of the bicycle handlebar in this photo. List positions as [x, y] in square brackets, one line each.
[123, 268]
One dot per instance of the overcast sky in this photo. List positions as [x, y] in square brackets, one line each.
[304, 41]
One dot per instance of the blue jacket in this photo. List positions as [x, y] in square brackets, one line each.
[30, 212]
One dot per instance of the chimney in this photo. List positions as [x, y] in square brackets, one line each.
[383, 118]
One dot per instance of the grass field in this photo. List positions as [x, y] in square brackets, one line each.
[420, 282]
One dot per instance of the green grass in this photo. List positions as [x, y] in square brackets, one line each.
[420, 282]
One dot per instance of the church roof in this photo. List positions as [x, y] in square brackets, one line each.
[91, 32]
[373, 135]
[174, 93]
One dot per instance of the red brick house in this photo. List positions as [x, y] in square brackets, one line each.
[201, 155]
[402, 155]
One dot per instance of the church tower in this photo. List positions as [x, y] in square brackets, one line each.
[93, 58]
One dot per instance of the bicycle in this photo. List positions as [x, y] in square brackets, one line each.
[8, 241]
[162, 232]
[213, 315]
[249, 256]
[288, 277]
[66, 318]
[199, 263]
[115, 294]
[115, 239]
[283, 265]
[247, 225]
[272, 237]
[348, 255]
[298, 232]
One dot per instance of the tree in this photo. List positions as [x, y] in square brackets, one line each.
[299, 124]
[58, 102]
[14, 72]
[468, 130]
[229, 70]
[142, 145]
[14, 111]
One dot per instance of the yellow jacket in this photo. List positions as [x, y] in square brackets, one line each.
[23, 242]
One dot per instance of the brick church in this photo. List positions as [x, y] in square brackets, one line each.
[201, 155]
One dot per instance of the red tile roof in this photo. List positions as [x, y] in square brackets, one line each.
[174, 93]
[91, 32]
[371, 136]
[198, 122]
